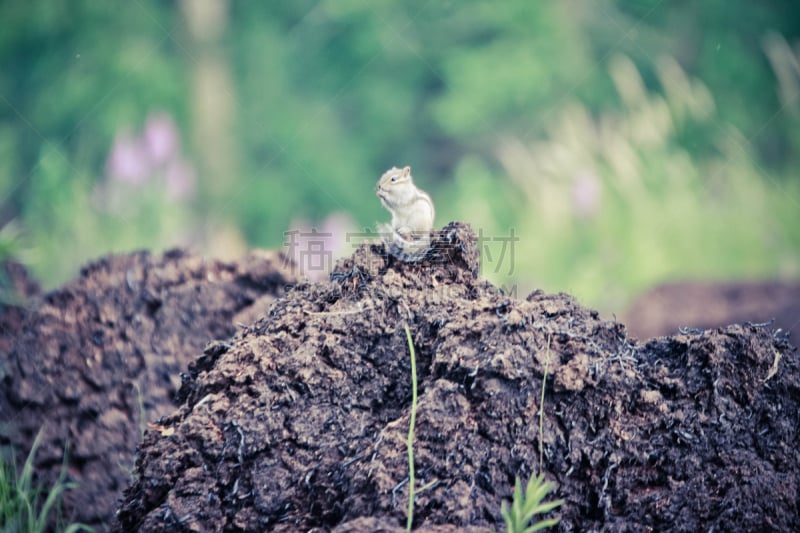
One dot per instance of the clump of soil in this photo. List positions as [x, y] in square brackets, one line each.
[91, 363]
[666, 309]
[300, 421]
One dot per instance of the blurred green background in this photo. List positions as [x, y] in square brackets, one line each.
[600, 147]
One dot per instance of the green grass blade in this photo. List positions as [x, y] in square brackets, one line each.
[20, 498]
[543, 524]
[549, 506]
[412, 422]
[73, 528]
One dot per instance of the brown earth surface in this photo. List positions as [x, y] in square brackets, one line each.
[299, 421]
[91, 363]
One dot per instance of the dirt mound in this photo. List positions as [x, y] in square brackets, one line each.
[300, 421]
[94, 361]
[666, 309]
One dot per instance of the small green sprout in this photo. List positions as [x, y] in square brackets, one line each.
[525, 507]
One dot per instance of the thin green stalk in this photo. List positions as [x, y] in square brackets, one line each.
[541, 407]
[411, 480]
[525, 506]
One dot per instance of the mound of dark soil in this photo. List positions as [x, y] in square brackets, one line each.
[93, 362]
[300, 421]
[665, 309]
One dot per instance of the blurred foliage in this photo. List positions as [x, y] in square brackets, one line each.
[623, 141]
[625, 204]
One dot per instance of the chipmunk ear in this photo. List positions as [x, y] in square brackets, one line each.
[406, 171]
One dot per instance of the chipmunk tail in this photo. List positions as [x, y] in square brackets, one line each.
[408, 251]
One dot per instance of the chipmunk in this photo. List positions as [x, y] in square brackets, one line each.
[409, 236]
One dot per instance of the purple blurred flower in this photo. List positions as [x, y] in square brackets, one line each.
[161, 138]
[136, 160]
[128, 161]
[586, 194]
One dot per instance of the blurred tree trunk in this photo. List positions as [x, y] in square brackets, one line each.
[212, 86]
[213, 105]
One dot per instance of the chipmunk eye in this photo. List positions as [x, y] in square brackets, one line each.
[394, 179]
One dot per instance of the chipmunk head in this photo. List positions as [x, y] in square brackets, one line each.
[394, 176]
[394, 184]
